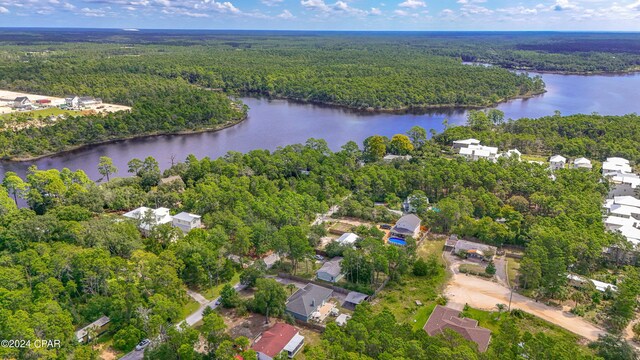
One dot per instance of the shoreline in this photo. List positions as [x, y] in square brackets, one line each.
[110, 141]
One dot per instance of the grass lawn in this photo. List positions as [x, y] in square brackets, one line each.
[38, 113]
[214, 292]
[472, 267]
[531, 157]
[311, 338]
[189, 308]
[399, 298]
[513, 266]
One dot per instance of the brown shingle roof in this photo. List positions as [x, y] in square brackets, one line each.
[446, 318]
[273, 341]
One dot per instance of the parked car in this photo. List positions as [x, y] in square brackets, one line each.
[319, 257]
[217, 301]
[385, 226]
[143, 344]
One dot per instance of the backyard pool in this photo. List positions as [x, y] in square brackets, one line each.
[397, 241]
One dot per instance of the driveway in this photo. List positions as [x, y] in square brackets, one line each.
[190, 320]
[484, 294]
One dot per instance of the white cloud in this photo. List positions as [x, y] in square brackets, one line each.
[375, 11]
[271, 2]
[413, 4]
[471, 1]
[518, 10]
[286, 14]
[340, 7]
[4, 10]
[562, 5]
[92, 12]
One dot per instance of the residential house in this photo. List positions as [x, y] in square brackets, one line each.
[582, 163]
[408, 225]
[279, 338]
[353, 299]
[557, 162]
[390, 158]
[474, 251]
[616, 165]
[347, 239]
[459, 144]
[186, 221]
[22, 102]
[147, 218]
[513, 153]
[331, 270]
[450, 244]
[270, 260]
[93, 330]
[413, 203]
[306, 301]
[443, 318]
[580, 282]
[625, 184]
[72, 101]
[477, 152]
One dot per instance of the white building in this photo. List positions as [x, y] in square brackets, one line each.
[390, 157]
[557, 162]
[512, 153]
[616, 165]
[186, 221]
[148, 218]
[477, 152]
[458, 144]
[72, 101]
[347, 239]
[22, 102]
[582, 163]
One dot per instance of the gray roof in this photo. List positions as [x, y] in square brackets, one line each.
[355, 297]
[306, 300]
[407, 224]
[468, 245]
[185, 216]
[332, 267]
[80, 334]
[21, 98]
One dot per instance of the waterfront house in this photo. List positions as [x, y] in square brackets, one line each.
[186, 221]
[443, 318]
[331, 270]
[306, 301]
[459, 144]
[279, 338]
[147, 218]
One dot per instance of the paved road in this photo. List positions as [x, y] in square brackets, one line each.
[190, 320]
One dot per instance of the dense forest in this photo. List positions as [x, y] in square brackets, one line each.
[69, 258]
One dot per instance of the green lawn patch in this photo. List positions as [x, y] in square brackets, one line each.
[214, 292]
[189, 308]
[513, 267]
[38, 113]
[422, 315]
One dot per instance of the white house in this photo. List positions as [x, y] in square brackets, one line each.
[148, 218]
[616, 165]
[557, 162]
[512, 153]
[72, 101]
[390, 157]
[582, 163]
[624, 184]
[579, 281]
[458, 144]
[22, 102]
[88, 100]
[347, 239]
[279, 338]
[477, 152]
[186, 221]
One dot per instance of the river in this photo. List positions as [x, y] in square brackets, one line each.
[274, 123]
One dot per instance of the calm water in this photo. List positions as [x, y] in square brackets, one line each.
[274, 123]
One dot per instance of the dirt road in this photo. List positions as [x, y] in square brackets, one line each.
[484, 294]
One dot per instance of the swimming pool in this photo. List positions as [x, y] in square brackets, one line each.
[397, 241]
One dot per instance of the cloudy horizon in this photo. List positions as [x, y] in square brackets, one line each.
[399, 15]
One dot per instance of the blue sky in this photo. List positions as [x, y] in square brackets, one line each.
[326, 14]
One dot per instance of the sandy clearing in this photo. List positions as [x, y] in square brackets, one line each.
[484, 294]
